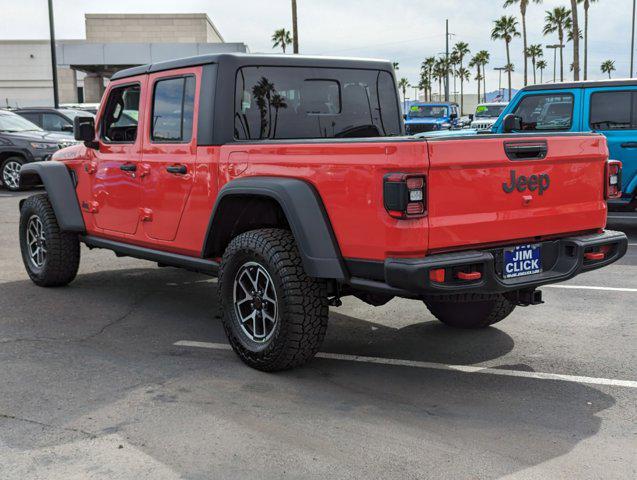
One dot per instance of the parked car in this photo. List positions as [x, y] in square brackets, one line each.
[604, 107]
[22, 142]
[289, 178]
[58, 120]
[486, 115]
[84, 107]
[427, 117]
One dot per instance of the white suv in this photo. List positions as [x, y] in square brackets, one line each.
[486, 115]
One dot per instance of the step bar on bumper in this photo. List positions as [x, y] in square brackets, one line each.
[410, 277]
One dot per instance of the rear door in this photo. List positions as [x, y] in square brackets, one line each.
[170, 150]
[499, 189]
[614, 114]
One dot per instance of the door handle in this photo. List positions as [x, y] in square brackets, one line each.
[128, 167]
[177, 169]
[629, 145]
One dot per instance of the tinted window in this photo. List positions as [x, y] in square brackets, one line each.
[32, 117]
[546, 112]
[53, 122]
[121, 115]
[291, 102]
[173, 106]
[612, 111]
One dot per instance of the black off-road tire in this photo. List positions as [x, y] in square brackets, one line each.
[302, 310]
[470, 310]
[62, 248]
[5, 165]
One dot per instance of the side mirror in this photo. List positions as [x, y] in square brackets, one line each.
[453, 116]
[404, 116]
[511, 123]
[471, 117]
[84, 130]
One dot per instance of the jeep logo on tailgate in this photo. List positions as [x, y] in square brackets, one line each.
[534, 182]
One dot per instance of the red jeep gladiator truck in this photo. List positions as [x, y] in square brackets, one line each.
[290, 179]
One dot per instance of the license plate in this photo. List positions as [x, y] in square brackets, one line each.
[522, 260]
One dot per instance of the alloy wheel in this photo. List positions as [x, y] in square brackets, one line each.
[255, 301]
[36, 241]
[11, 175]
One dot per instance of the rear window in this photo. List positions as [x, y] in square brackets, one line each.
[613, 111]
[550, 112]
[297, 102]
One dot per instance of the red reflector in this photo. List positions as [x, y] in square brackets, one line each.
[469, 275]
[594, 255]
[437, 275]
[415, 208]
[414, 183]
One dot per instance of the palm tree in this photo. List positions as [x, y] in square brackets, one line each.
[427, 67]
[475, 63]
[485, 57]
[440, 73]
[403, 85]
[523, 5]
[557, 20]
[395, 65]
[505, 28]
[535, 52]
[453, 63]
[608, 66]
[541, 65]
[575, 38]
[461, 49]
[281, 38]
[587, 4]
[295, 28]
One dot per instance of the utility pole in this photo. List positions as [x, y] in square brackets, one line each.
[447, 60]
[500, 93]
[295, 30]
[54, 62]
[632, 43]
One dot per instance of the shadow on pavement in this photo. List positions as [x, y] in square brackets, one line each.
[96, 358]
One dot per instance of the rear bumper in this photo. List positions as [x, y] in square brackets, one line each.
[561, 260]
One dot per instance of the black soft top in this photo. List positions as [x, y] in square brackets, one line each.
[237, 60]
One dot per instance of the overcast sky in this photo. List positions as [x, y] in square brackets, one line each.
[405, 31]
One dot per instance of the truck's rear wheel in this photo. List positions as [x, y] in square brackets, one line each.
[274, 315]
[470, 310]
[51, 257]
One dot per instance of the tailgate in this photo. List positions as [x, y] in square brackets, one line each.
[502, 188]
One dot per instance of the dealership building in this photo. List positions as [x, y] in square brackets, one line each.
[113, 42]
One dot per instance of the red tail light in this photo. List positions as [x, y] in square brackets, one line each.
[404, 195]
[613, 179]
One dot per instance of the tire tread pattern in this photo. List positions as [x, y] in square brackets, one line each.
[63, 248]
[303, 307]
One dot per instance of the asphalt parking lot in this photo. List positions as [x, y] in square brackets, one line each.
[125, 374]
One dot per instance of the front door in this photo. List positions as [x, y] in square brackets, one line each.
[170, 151]
[614, 113]
[116, 187]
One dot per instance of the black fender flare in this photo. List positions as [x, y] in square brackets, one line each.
[305, 213]
[57, 181]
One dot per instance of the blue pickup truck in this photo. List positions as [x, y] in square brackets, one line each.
[431, 117]
[607, 107]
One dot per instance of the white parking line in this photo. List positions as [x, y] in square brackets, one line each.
[587, 287]
[442, 366]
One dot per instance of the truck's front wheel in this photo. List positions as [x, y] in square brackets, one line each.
[51, 257]
[274, 315]
[470, 310]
